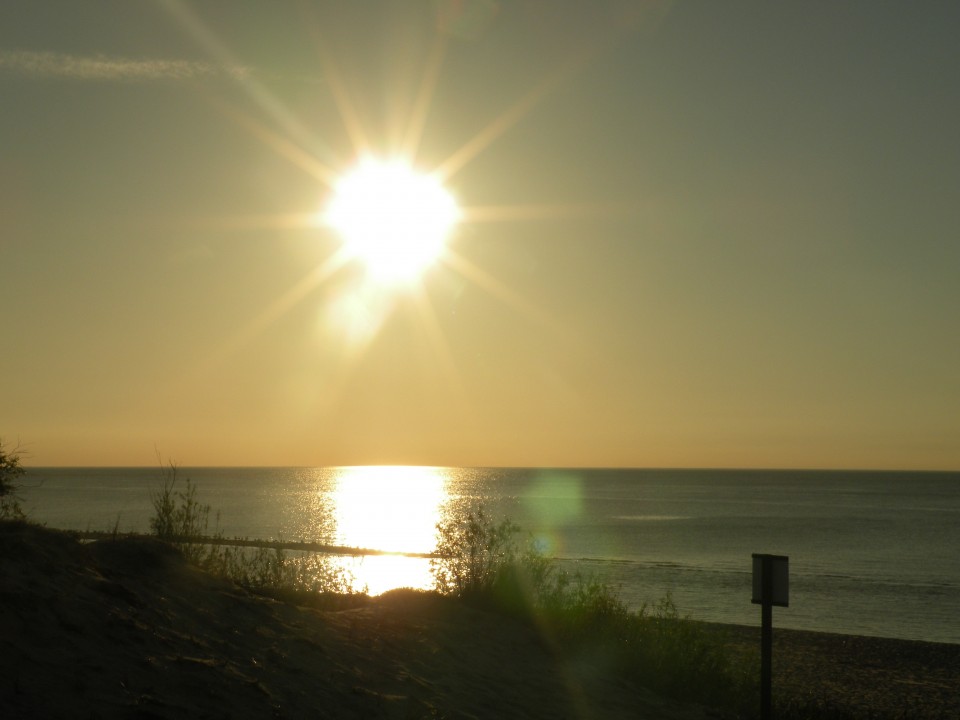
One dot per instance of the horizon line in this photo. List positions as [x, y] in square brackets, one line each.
[673, 468]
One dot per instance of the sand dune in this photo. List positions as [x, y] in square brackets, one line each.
[128, 629]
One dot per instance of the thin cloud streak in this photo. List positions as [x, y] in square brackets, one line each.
[104, 68]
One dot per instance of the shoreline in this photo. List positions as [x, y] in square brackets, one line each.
[874, 676]
[859, 587]
[355, 552]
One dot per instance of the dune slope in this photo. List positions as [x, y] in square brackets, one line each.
[126, 628]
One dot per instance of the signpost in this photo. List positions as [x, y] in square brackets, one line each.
[771, 586]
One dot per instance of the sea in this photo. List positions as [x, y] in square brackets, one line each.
[869, 553]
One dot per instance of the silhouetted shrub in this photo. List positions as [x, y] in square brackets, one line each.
[10, 472]
[182, 520]
[480, 558]
[473, 552]
[178, 517]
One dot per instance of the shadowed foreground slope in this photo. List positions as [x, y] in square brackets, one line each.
[127, 628]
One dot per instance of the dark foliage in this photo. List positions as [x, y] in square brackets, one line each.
[10, 472]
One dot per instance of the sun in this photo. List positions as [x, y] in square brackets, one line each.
[391, 218]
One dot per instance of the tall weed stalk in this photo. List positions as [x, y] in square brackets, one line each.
[179, 517]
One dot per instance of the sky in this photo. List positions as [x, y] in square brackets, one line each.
[693, 234]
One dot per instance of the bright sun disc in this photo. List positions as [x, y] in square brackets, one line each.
[393, 219]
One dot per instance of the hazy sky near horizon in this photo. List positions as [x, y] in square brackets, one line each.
[696, 233]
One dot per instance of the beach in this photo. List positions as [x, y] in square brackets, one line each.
[870, 676]
[128, 629]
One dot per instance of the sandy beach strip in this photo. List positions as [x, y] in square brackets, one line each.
[867, 676]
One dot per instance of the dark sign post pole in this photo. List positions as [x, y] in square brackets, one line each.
[770, 587]
[766, 642]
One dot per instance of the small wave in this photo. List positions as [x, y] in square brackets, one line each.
[651, 518]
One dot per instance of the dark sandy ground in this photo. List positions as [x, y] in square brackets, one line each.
[866, 676]
[128, 629]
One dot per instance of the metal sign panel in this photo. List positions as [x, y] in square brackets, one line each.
[778, 567]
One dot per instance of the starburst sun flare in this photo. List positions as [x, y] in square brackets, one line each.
[391, 218]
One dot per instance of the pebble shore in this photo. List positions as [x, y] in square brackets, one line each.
[866, 676]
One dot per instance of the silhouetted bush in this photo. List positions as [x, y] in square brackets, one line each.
[481, 559]
[178, 517]
[10, 472]
[473, 552]
[181, 519]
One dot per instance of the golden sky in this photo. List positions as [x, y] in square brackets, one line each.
[693, 234]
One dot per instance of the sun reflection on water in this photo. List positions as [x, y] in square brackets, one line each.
[376, 574]
[392, 509]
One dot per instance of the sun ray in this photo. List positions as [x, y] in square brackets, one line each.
[477, 214]
[208, 40]
[348, 114]
[277, 309]
[500, 291]
[357, 314]
[435, 336]
[511, 116]
[421, 107]
[352, 353]
[497, 127]
[255, 221]
[579, 59]
[345, 107]
[281, 145]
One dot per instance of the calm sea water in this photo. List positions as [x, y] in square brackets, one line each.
[871, 553]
